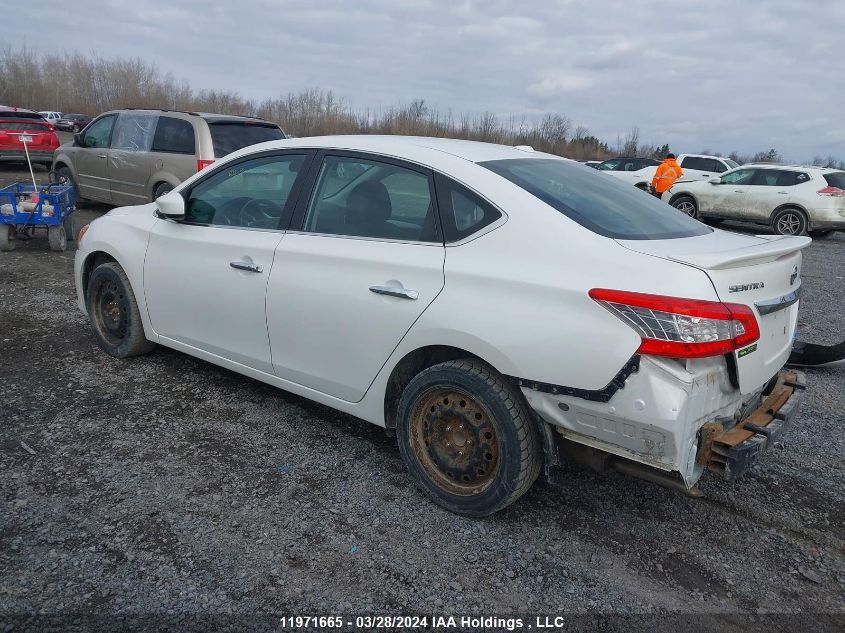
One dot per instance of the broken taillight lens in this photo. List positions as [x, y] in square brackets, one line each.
[681, 328]
[832, 192]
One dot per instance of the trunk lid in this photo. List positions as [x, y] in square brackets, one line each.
[760, 271]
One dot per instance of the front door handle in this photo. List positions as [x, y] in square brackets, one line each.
[101, 155]
[250, 268]
[393, 291]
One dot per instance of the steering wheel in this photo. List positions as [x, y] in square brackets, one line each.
[258, 212]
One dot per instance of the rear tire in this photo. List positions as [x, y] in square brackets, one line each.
[686, 204]
[57, 238]
[7, 237]
[789, 221]
[161, 189]
[467, 437]
[114, 314]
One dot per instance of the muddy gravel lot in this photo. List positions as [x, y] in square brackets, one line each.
[163, 491]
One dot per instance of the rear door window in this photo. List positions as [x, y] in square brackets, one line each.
[228, 137]
[779, 178]
[174, 136]
[359, 197]
[603, 205]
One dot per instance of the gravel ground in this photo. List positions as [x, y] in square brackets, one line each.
[166, 489]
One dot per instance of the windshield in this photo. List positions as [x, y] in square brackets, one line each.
[231, 136]
[731, 163]
[600, 203]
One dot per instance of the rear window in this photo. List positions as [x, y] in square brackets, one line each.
[599, 203]
[836, 179]
[232, 136]
[23, 126]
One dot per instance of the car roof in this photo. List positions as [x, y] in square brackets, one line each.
[789, 166]
[409, 147]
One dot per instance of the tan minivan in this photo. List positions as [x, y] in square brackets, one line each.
[130, 156]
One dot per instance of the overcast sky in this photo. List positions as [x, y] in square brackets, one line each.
[705, 74]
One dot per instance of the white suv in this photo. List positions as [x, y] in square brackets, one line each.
[792, 200]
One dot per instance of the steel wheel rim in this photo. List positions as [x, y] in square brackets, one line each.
[111, 312]
[789, 224]
[455, 441]
[687, 207]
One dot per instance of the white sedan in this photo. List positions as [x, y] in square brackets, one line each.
[500, 308]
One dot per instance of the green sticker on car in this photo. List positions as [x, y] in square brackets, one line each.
[746, 351]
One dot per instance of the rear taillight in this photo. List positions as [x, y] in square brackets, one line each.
[681, 328]
[82, 233]
[202, 164]
[832, 192]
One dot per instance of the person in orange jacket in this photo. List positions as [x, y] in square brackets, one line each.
[666, 175]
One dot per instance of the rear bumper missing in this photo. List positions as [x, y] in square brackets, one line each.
[731, 452]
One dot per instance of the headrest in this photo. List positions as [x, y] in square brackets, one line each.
[368, 203]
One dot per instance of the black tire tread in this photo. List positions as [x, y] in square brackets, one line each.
[530, 450]
[138, 343]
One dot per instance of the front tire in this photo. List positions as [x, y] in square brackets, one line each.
[789, 221]
[114, 314]
[686, 204]
[467, 437]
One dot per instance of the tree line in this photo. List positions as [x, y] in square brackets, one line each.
[90, 84]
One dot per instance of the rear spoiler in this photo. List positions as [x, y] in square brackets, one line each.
[774, 247]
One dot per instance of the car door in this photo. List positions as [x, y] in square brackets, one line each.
[130, 163]
[205, 278]
[91, 159]
[770, 189]
[727, 199]
[362, 261]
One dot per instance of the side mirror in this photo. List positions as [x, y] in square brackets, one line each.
[77, 139]
[715, 181]
[171, 206]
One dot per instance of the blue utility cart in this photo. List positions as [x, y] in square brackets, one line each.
[20, 217]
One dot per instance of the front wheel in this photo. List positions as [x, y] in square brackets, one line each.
[789, 222]
[687, 205]
[467, 437]
[114, 313]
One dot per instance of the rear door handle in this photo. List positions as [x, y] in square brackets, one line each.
[101, 155]
[393, 291]
[250, 268]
